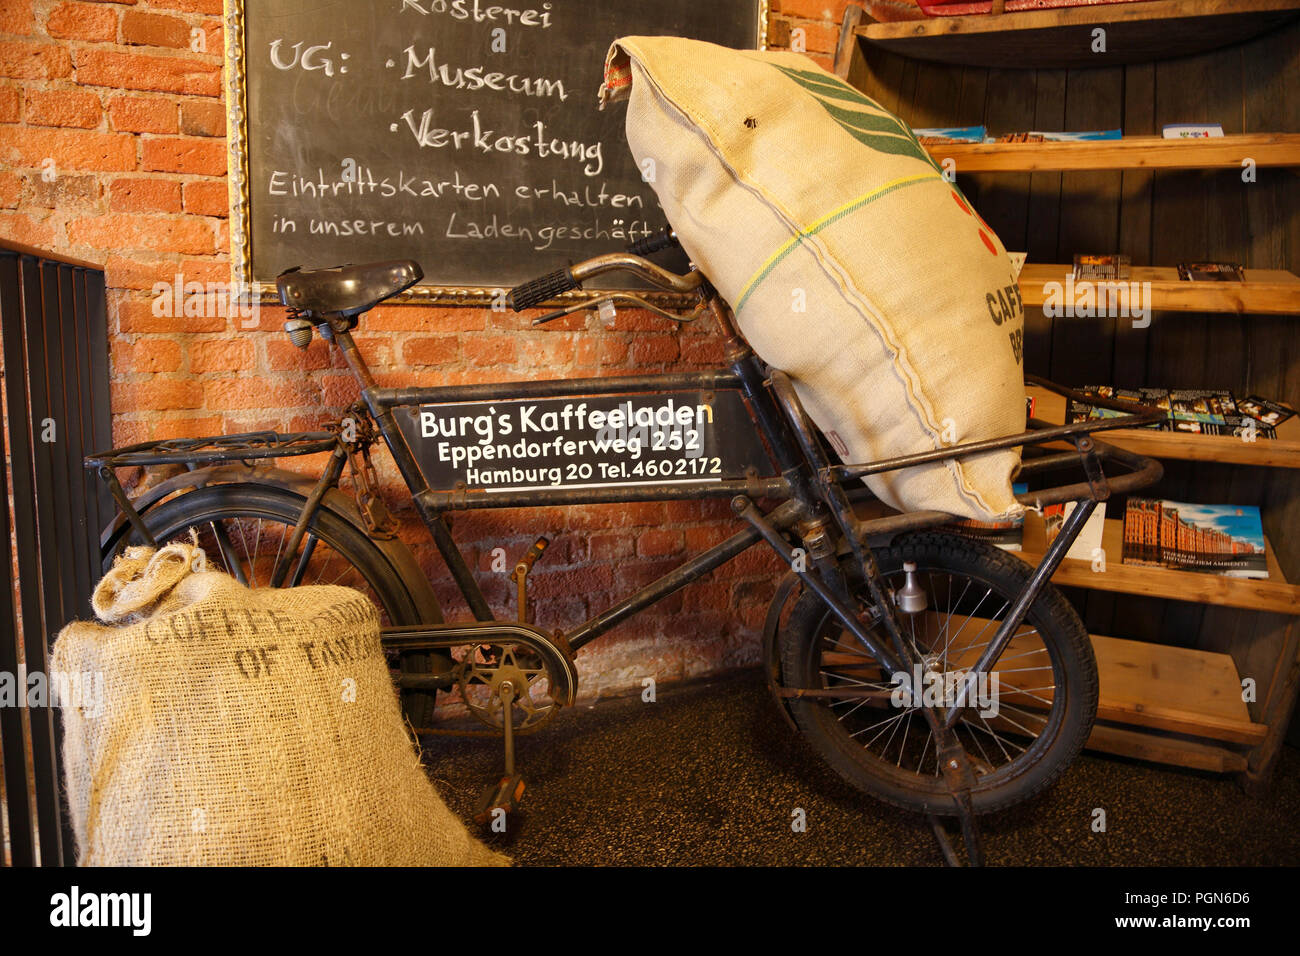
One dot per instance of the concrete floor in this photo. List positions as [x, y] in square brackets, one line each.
[710, 775]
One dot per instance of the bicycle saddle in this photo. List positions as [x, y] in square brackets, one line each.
[347, 290]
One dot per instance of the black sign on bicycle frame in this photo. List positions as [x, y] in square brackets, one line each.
[589, 441]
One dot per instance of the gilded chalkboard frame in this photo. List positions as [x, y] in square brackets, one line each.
[237, 163]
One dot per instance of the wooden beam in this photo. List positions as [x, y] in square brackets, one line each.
[848, 40]
[1064, 38]
[1265, 291]
[1145, 745]
[1131, 152]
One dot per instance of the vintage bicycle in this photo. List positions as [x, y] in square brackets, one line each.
[873, 608]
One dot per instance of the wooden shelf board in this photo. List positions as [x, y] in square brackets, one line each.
[1273, 594]
[1163, 748]
[1280, 452]
[1131, 152]
[1265, 291]
[1063, 38]
[1173, 689]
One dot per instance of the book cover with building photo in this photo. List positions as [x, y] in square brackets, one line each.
[1213, 539]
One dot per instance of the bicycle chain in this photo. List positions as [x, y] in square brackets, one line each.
[374, 512]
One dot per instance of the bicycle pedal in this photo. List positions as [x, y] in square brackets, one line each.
[504, 795]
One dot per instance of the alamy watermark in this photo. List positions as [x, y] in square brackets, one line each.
[929, 688]
[1098, 298]
[194, 299]
[37, 689]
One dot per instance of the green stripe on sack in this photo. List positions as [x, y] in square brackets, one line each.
[851, 206]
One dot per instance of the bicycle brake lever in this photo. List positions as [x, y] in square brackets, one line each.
[625, 299]
[640, 303]
[561, 313]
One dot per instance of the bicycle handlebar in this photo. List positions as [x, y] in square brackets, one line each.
[543, 288]
[539, 290]
[662, 239]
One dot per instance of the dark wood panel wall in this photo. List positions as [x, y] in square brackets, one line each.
[1159, 218]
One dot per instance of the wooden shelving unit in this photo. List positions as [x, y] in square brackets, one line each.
[1175, 704]
[1265, 291]
[1135, 32]
[1131, 152]
[1280, 452]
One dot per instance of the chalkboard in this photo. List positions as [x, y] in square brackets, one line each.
[463, 134]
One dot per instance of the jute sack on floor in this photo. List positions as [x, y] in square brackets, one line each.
[241, 727]
[851, 263]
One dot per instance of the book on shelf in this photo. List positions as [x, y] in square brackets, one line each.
[1190, 411]
[1088, 541]
[1191, 130]
[1093, 267]
[939, 135]
[1211, 272]
[1262, 410]
[1210, 539]
[1007, 535]
[1037, 136]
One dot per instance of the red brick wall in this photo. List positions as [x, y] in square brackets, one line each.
[132, 120]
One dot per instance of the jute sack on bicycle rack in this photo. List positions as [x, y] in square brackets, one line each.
[239, 726]
[851, 262]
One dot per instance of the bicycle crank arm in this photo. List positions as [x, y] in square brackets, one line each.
[555, 657]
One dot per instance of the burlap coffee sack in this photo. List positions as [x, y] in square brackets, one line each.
[851, 262]
[243, 727]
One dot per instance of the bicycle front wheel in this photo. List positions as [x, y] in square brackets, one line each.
[1023, 721]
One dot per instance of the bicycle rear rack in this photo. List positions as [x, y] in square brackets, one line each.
[193, 452]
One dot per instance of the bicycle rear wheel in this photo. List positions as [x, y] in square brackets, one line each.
[244, 528]
[1031, 713]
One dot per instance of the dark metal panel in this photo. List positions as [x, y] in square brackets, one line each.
[49, 588]
[101, 417]
[38, 409]
[56, 394]
[78, 434]
[55, 424]
[19, 829]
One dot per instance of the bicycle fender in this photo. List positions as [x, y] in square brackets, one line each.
[397, 552]
[771, 656]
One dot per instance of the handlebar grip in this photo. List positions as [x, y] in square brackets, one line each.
[536, 291]
[660, 240]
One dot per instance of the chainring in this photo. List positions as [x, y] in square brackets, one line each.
[486, 667]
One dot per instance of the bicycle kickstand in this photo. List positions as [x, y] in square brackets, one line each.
[959, 777]
[501, 799]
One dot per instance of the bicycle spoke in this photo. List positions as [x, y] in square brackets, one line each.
[998, 740]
